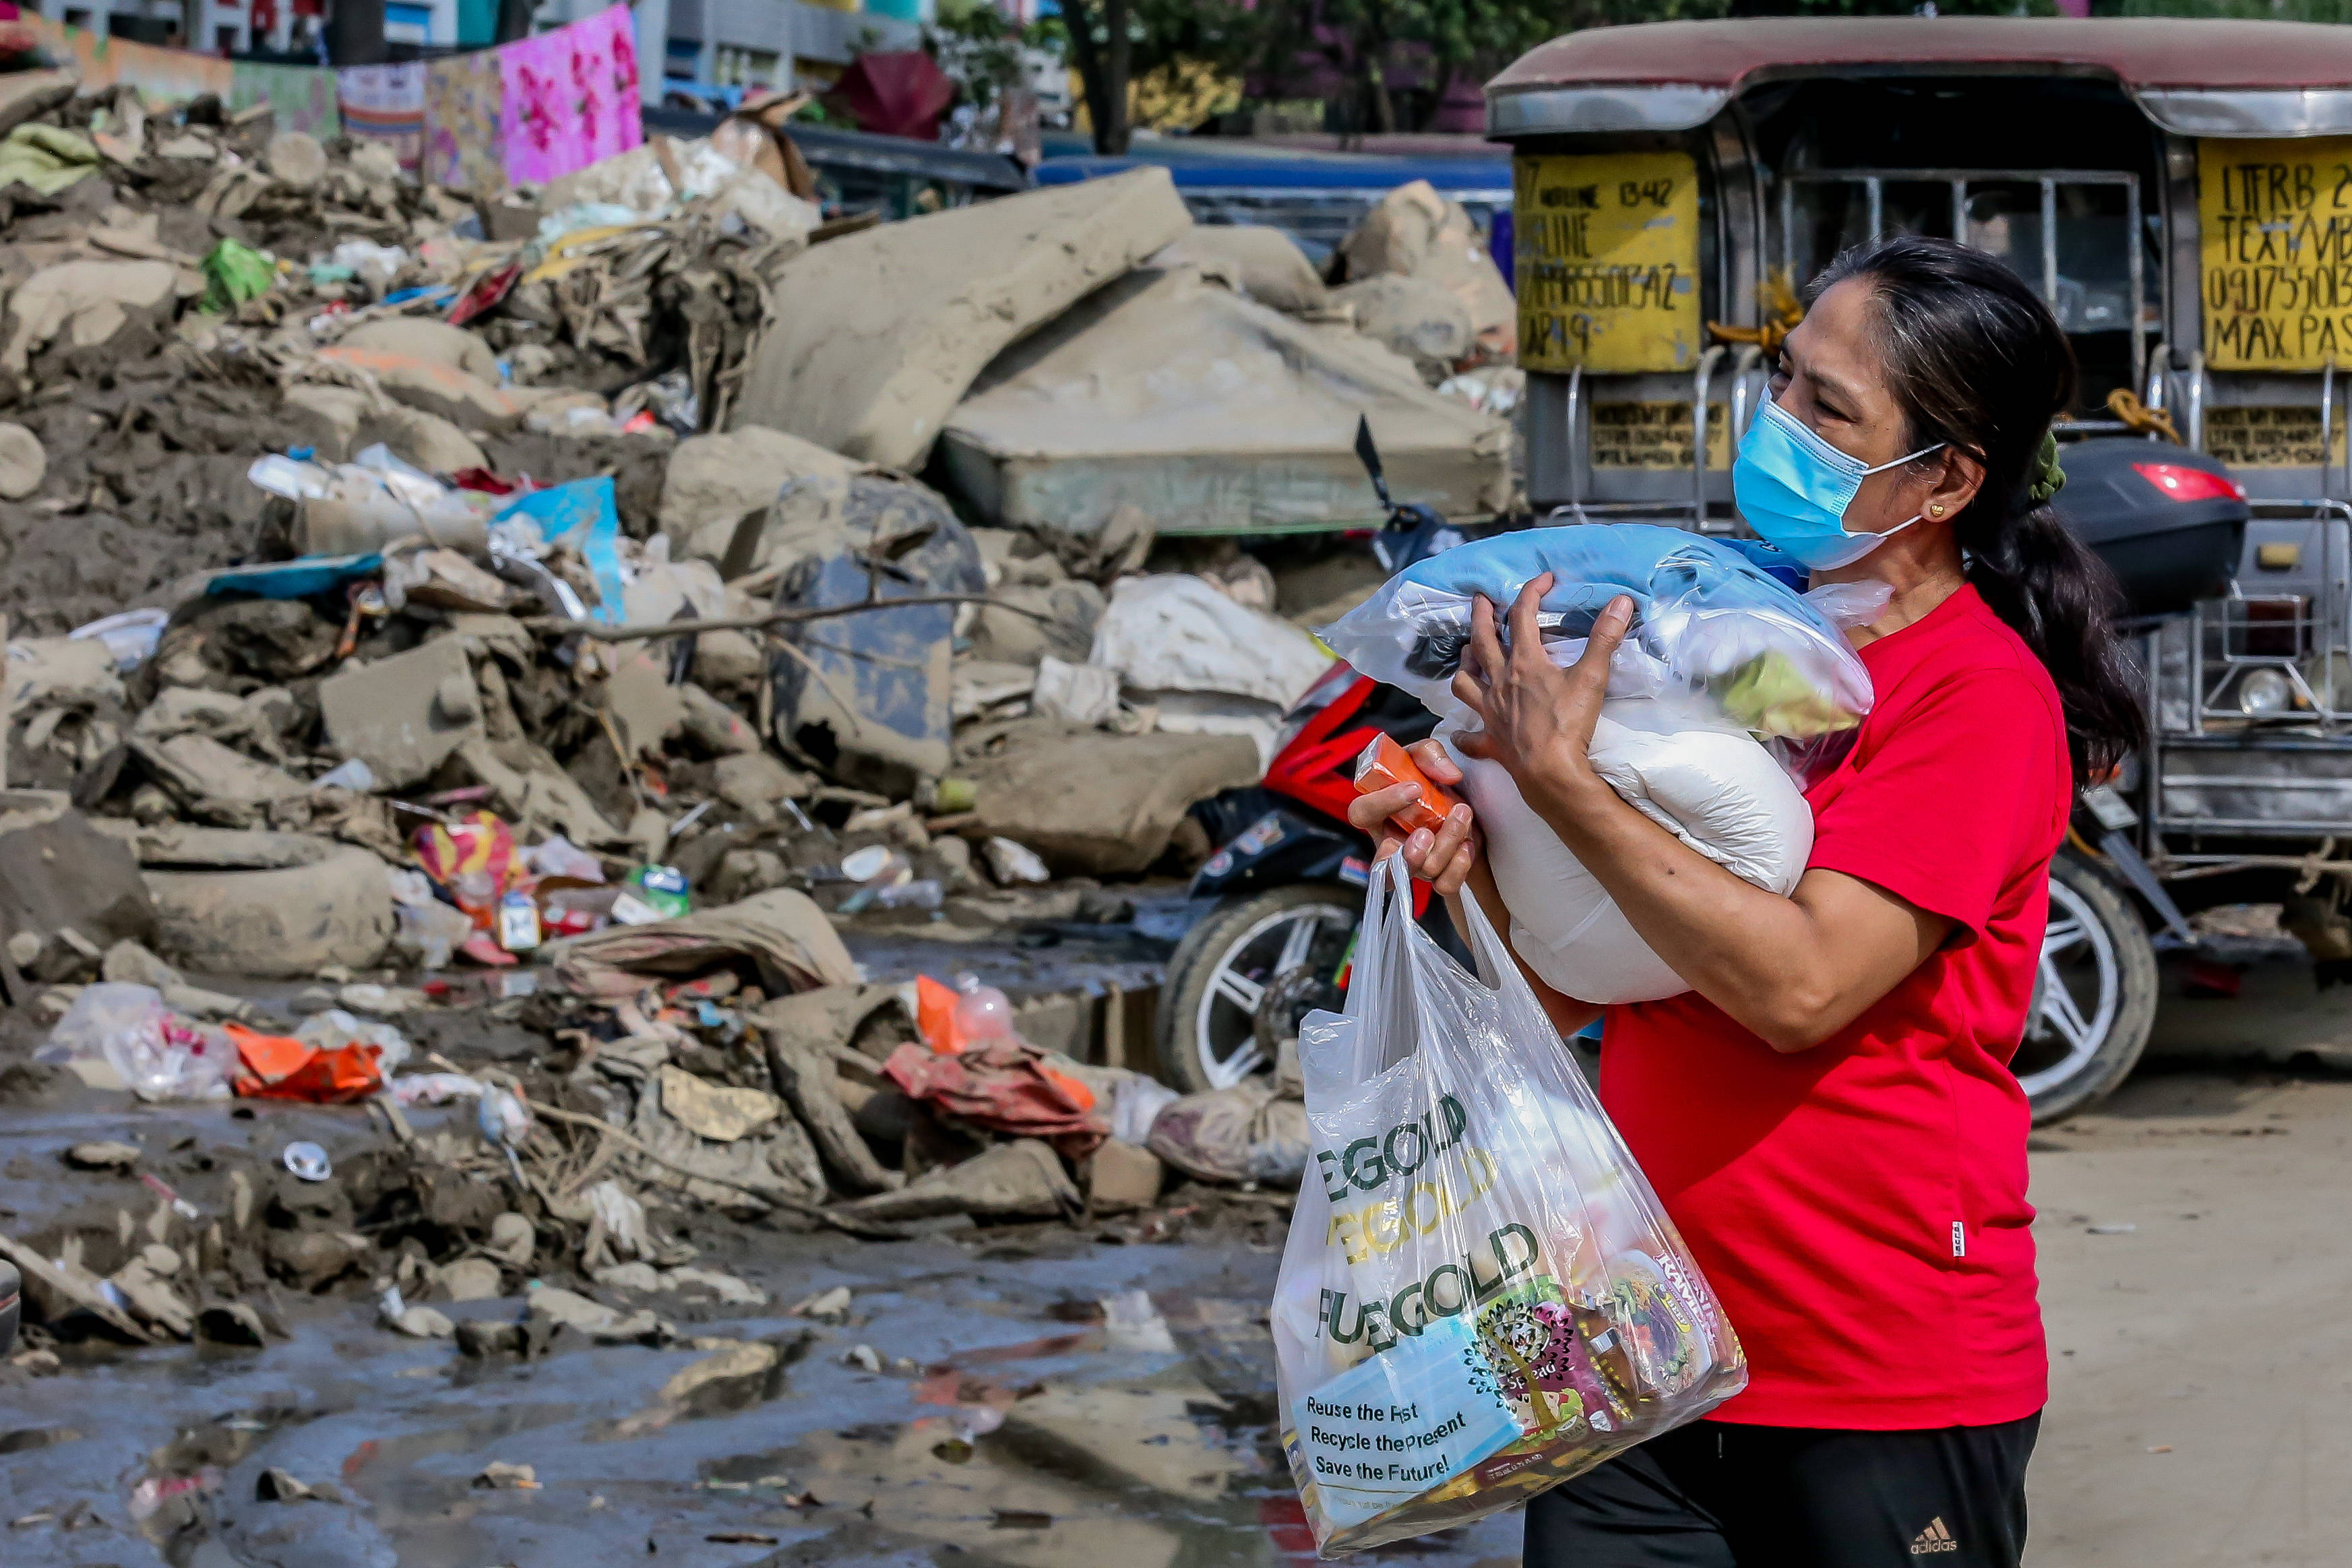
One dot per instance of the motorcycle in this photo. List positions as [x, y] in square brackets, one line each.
[1289, 870]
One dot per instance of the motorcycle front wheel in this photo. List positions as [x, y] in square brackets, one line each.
[1242, 979]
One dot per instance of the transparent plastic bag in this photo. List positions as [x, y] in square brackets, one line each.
[1706, 619]
[1481, 1296]
[158, 1054]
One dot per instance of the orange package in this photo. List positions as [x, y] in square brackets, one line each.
[1383, 763]
[278, 1067]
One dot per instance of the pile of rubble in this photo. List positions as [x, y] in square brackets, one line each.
[476, 659]
[189, 291]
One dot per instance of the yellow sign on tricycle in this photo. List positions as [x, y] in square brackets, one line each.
[1607, 256]
[2275, 222]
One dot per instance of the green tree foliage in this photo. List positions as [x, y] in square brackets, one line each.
[1111, 42]
[978, 46]
[2233, 10]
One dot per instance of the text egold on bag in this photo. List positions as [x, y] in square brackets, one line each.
[1480, 1296]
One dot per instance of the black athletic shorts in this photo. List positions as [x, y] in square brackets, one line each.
[1715, 1495]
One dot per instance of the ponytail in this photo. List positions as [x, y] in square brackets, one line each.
[2057, 595]
[1978, 363]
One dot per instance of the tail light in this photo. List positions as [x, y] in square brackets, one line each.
[2181, 483]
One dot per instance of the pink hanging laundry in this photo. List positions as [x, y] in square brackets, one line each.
[570, 96]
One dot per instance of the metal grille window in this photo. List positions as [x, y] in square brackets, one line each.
[2075, 233]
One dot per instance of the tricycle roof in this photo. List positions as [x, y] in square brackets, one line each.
[2195, 78]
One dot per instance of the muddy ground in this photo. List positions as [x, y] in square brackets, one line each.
[1039, 1397]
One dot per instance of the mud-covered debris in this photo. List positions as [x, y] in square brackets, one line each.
[276, 1485]
[59, 1290]
[900, 319]
[499, 1476]
[23, 462]
[512, 1239]
[720, 1113]
[1415, 233]
[1246, 1133]
[102, 1157]
[1012, 864]
[232, 1324]
[781, 933]
[825, 1306]
[145, 1284]
[568, 1308]
[1089, 801]
[405, 715]
[1019, 1180]
[423, 1323]
[1119, 1176]
[471, 1279]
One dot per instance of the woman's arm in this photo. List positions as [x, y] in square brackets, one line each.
[1450, 860]
[1793, 970]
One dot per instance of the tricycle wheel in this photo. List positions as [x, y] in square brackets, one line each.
[2094, 1000]
[1242, 979]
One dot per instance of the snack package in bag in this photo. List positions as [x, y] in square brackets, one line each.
[1481, 1296]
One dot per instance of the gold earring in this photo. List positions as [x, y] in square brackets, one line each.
[1936, 510]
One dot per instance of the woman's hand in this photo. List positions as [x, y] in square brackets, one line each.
[1536, 719]
[1444, 858]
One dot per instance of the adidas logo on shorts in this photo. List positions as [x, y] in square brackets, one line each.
[1935, 1538]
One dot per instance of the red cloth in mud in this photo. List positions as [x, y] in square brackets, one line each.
[1006, 1088]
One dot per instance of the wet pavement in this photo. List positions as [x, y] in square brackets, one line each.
[1042, 1399]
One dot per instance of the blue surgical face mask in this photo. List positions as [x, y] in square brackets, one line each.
[1793, 488]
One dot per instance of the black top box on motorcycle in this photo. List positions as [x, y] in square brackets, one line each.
[2170, 523]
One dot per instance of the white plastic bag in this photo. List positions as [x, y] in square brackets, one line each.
[1481, 1296]
[1684, 766]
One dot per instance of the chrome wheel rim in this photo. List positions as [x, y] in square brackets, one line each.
[1225, 1040]
[2076, 991]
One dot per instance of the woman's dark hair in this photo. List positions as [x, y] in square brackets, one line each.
[1975, 359]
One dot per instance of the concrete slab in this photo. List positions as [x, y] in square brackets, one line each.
[878, 334]
[403, 716]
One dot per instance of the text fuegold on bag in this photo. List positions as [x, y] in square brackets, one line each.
[1481, 1296]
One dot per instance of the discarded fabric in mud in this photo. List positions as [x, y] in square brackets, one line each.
[1243, 1134]
[1006, 1087]
[889, 327]
[1019, 1180]
[782, 936]
[1090, 803]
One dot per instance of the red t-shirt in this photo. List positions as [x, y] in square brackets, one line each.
[1860, 1207]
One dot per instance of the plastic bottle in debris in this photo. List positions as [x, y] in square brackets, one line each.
[518, 923]
[983, 1015]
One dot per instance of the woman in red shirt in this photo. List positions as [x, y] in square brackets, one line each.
[1828, 1114]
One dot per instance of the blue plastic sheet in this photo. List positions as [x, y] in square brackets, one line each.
[302, 578]
[581, 516]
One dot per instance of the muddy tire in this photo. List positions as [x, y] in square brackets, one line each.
[2094, 1000]
[1218, 1024]
[322, 903]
